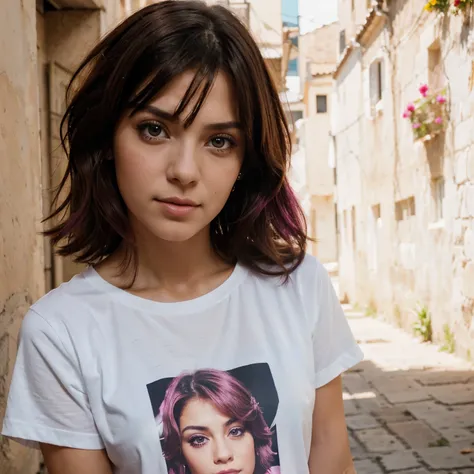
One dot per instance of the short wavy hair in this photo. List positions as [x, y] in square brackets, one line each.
[230, 397]
[262, 224]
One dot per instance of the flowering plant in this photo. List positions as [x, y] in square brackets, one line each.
[437, 5]
[427, 114]
[461, 5]
[444, 5]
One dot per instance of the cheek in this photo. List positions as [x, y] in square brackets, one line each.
[197, 459]
[246, 449]
[135, 169]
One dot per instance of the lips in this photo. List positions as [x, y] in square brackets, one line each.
[176, 201]
[230, 471]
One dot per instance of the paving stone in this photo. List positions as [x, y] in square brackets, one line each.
[367, 466]
[355, 383]
[361, 422]
[418, 471]
[372, 405]
[399, 460]
[408, 396]
[350, 408]
[393, 414]
[423, 409]
[454, 435]
[445, 378]
[415, 433]
[450, 417]
[357, 451]
[455, 394]
[379, 440]
[445, 457]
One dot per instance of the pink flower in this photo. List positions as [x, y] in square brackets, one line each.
[416, 125]
[439, 120]
[423, 90]
[411, 108]
[441, 99]
[406, 114]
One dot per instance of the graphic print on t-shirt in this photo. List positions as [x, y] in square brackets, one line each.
[214, 421]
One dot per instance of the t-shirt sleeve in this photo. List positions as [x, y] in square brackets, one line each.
[334, 347]
[47, 402]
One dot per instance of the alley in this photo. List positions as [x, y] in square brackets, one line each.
[409, 407]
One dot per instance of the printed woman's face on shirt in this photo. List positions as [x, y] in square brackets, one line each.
[212, 443]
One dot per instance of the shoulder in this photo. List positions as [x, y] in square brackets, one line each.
[309, 279]
[65, 302]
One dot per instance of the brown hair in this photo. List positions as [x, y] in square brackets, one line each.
[262, 224]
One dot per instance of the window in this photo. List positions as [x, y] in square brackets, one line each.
[342, 41]
[438, 198]
[376, 83]
[374, 236]
[405, 209]
[321, 104]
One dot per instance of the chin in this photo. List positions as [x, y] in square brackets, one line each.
[177, 232]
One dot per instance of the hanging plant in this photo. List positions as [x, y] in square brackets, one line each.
[460, 6]
[438, 5]
[428, 114]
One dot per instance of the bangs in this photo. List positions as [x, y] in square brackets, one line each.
[158, 65]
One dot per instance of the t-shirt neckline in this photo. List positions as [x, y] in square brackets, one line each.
[194, 305]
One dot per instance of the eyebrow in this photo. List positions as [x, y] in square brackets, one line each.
[196, 428]
[171, 117]
[206, 429]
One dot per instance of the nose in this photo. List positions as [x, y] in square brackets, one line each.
[222, 453]
[183, 168]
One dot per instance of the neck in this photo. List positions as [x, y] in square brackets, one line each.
[168, 264]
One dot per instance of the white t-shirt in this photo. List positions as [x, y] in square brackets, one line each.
[98, 368]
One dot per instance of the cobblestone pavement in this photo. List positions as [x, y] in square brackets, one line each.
[409, 407]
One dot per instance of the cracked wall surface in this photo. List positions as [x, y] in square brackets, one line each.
[21, 248]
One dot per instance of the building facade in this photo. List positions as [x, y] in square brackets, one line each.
[317, 62]
[405, 187]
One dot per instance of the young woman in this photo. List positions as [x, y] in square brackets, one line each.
[178, 201]
[212, 424]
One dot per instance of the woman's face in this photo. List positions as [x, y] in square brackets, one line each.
[212, 443]
[175, 180]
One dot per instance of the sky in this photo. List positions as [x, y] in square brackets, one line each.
[313, 13]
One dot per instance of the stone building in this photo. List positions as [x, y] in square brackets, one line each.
[42, 42]
[317, 62]
[405, 197]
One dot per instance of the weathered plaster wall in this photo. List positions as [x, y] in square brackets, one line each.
[21, 248]
[422, 258]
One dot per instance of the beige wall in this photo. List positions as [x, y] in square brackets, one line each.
[21, 248]
[265, 22]
[352, 14]
[419, 259]
[33, 41]
[317, 60]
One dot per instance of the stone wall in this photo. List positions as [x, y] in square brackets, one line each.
[33, 41]
[413, 247]
[21, 248]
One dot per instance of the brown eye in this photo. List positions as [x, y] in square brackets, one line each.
[218, 142]
[152, 131]
[222, 143]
